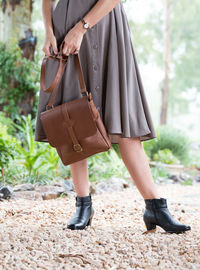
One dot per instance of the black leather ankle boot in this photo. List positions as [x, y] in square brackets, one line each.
[156, 213]
[84, 213]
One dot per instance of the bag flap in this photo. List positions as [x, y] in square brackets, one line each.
[81, 118]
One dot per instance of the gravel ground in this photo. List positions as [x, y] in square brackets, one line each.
[33, 234]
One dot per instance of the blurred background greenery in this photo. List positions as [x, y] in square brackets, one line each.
[165, 36]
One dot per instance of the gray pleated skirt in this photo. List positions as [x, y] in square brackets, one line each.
[110, 71]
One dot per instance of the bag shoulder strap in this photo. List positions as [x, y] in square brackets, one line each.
[43, 72]
[55, 84]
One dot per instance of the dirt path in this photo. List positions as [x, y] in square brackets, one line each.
[33, 234]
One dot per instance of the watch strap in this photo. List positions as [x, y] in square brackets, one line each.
[84, 22]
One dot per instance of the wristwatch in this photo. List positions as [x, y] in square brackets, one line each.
[85, 24]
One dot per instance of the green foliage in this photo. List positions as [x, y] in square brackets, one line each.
[159, 171]
[7, 145]
[7, 124]
[165, 156]
[33, 155]
[26, 160]
[19, 77]
[6, 152]
[194, 161]
[172, 139]
[106, 164]
[27, 150]
[32, 161]
[188, 182]
[115, 146]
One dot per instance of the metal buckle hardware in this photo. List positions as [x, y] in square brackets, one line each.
[77, 147]
[85, 93]
[51, 107]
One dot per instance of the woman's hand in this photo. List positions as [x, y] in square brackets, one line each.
[50, 40]
[73, 39]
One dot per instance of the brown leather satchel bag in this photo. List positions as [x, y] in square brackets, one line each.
[74, 128]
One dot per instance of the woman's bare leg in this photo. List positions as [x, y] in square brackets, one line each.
[135, 160]
[79, 172]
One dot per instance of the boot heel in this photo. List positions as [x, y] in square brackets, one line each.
[90, 221]
[150, 226]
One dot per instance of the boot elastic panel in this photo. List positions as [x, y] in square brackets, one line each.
[156, 203]
[84, 198]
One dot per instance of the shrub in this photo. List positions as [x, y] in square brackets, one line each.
[169, 138]
[7, 144]
[35, 157]
[19, 78]
[32, 161]
[105, 165]
[165, 156]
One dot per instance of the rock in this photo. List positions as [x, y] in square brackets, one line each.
[43, 192]
[6, 192]
[92, 188]
[101, 187]
[171, 168]
[68, 185]
[175, 178]
[50, 189]
[23, 187]
[170, 181]
[28, 195]
[1, 196]
[49, 196]
[185, 176]
[110, 185]
[49, 192]
[197, 178]
[58, 181]
[119, 181]
[160, 179]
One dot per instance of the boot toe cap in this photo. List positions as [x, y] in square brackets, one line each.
[187, 227]
[79, 226]
[180, 229]
[71, 226]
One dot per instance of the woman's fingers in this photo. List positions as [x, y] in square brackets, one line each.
[46, 49]
[54, 45]
[66, 49]
[72, 41]
[48, 45]
[75, 51]
[70, 50]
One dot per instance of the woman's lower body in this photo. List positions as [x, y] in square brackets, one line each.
[111, 73]
[135, 160]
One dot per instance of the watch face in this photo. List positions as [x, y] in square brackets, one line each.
[86, 25]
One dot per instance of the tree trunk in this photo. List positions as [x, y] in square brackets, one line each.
[15, 27]
[16, 19]
[166, 88]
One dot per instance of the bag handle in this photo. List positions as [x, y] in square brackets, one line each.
[55, 84]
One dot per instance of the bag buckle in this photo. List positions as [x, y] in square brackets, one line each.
[85, 93]
[49, 107]
[77, 147]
